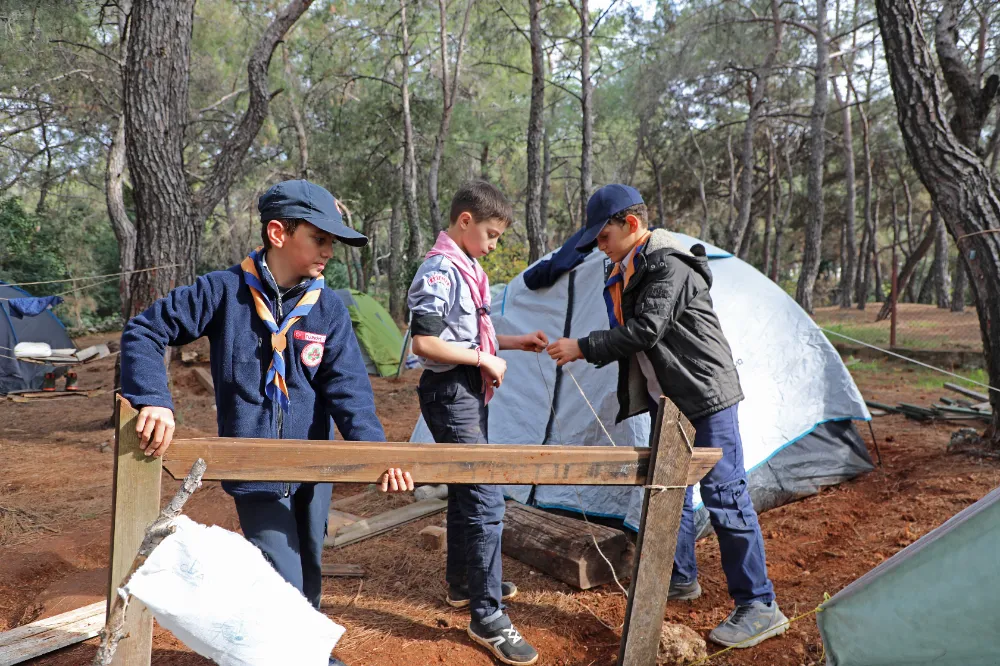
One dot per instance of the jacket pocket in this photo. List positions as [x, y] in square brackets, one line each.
[249, 368]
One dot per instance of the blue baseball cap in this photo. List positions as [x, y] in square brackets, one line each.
[307, 201]
[604, 204]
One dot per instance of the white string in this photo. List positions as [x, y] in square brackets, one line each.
[89, 277]
[911, 360]
[68, 291]
[598, 418]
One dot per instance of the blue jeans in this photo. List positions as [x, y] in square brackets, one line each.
[289, 531]
[727, 499]
[452, 405]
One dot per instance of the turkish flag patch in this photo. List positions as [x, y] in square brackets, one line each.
[309, 337]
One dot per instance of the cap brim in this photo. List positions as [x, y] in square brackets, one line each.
[342, 232]
[589, 238]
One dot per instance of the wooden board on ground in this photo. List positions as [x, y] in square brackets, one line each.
[338, 520]
[360, 462]
[969, 393]
[563, 547]
[343, 571]
[204, 378]
[53, 633]
[383, 522]
[346, 501]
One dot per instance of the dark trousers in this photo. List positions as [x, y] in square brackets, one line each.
[727, 499]
[289, 531]
[452, 405]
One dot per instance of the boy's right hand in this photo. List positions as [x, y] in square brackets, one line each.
[495, 367]
[155, 426]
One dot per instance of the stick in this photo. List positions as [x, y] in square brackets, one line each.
[159, 530]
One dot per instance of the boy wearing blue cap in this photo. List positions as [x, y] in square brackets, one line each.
[285, 362]
[667, 340]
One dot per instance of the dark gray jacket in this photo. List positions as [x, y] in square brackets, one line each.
[668, 314]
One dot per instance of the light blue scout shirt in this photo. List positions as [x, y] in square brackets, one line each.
[441, 305]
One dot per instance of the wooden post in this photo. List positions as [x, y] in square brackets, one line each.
[657, 540]
[135, 504]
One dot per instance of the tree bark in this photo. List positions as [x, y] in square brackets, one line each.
[817, 144]
[960, 184]
[300, 127]
[449, 91]
[397, 290]
[908, 270]
[942, 281]
[779, 226]
[847, 277]
[416, 246]
[757, 100]
[586, 103]
[873, 241]
[536, 164]
[958, 286]
[114, 199]
[169, 216]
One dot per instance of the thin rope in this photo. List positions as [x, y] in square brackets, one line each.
[68, 291]
[90, 277]
[598, 418]
[911, 360]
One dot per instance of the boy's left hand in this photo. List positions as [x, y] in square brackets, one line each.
[535, 342]
[395, 480]
[565, 350]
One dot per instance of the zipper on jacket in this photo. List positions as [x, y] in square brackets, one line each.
[281, 415]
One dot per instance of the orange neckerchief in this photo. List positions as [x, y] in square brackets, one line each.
[617, 281]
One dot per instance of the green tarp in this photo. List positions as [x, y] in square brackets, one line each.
[934, 602]
[379, 337]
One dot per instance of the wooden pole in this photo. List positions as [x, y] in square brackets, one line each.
[135, 504]
[663, 500]
[895, 299]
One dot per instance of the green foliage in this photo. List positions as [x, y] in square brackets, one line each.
[29, 247]
[336, 275]
[505, 262]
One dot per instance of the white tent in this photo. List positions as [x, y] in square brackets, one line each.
[796, 421]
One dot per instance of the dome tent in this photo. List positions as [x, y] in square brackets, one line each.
[17, 374]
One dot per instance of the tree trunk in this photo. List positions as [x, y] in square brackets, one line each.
[942, 281]
[546, 177]
[779, 226]
[114, 198]
[300, 127]
[661, 213]
[415, 250]
[817, 143]
[908, 270]
[847, 277]
[958, 286]
[873, 242]
[449, 90]
[170, 219]
[960, 184]
[397, 289]
[536, 166]
[484, 161]
[586, 103]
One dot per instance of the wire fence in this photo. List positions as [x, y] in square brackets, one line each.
[917, 327]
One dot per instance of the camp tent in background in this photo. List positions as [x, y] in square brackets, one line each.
[379, 337]
[796, 422]
[934, 602]
[20, 375]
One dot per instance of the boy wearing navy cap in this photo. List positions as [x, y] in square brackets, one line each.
[285, 362]
[667, 340]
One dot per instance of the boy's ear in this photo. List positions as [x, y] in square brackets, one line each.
[633, 223]
[276, 233]
[464, 219]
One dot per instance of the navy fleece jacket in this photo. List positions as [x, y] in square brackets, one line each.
[332, 388]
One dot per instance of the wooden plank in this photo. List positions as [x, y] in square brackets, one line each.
[383, 522]
[204, 378]
[135, 504]
[657, 540]
[564, 547]
[337, 520]
[360, 462]
[969, 393]
[343, 571]
[53, 633]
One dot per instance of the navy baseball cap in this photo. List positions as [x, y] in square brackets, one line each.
[604, 204]
[307, 201]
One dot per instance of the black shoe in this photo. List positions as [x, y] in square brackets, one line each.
[681, 592]
[336, 662]
[459, 596]
[503, 641]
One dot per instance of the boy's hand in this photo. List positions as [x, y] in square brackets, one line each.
[534, 342]
[395, 480]
[155, 426]
[495, 368]
[565, 350]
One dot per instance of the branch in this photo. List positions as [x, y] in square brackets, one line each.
[233, 151]
[161, 528]
[526, 72]
[221, 101]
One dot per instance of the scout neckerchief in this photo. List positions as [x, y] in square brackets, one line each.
[618, 280]
[479, 286]
[275, 387]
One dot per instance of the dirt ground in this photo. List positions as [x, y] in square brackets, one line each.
[55, 480]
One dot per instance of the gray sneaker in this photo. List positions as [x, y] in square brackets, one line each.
[684, 592]
[503, 641]
[750, 624]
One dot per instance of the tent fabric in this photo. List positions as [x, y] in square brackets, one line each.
[379, 337]
[32, 306]
[933, 602]
[18, 375]
[795, 422]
